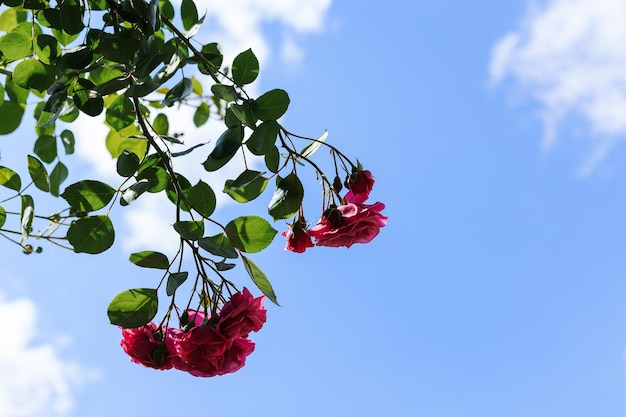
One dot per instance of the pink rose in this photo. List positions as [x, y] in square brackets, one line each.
[360, 185]
[349, 224]
[234, 358]
[297, 240]
[199, 351]
[241, 315]
[144, 347]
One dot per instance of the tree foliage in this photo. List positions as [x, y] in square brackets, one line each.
[128, 61]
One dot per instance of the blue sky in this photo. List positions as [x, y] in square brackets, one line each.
[494, 131]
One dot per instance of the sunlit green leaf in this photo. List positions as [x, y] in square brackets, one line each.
[38, 173]
[202, 199]
[150, 259]
[260, 279]
[15, 45]
[88, 195]
[202, 114]
[250, 233]
[120, 113]
[46, 148]
[92, 234]
[10, 179]
[133, 308]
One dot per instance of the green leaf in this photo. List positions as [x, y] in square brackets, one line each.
[185, 187]
[311, 148]
[10, 179]
[87, 99]
[157, 177]
[3, 216]
[248, 186]
[150, 259]
[10, 117]
[174, 281]
[78, 57]
[124, 140]
[218, 245]
[120, 113]
[57, 176]
[178, 93]
[11, 17]
[225, 92]
[88, 195]
[250, 233]
[160, 124]
[263, 138]
[260, 279]
[272, 159]
[190, 229]
[15, 46]
[47, 49]
[38, 173]
[202, 199]
[188, 13]
[68, 141]
[245, 68]
[202, 114]
[32, 73]
[133, 308]
[225, 148]
[120, 47]
[223, 266]
[271, 105]
[92, 234]
[71, 17]
[287, 198]
[52, 109]
[244, 114]
[27, 215]
[127, 164]
[46, 148]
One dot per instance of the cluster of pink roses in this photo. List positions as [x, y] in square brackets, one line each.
[207, 346]
[344, 225]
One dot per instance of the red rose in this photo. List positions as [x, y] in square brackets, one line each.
[360, 185]
[199, 351]
[241, 315]
[297, 240]
[145, 347]
[349, 224]
[234, 358]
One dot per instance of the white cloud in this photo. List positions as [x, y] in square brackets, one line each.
[569, 56]
[36, 380]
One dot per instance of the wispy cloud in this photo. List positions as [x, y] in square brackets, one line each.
[36, 380]
[569, 56]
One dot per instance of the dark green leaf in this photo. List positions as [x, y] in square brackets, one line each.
[150, 259]
[87, 99]
[52, 109]
[68, 141]
[248, 186]
[244, 114]
[133, 308]
[157, 177]
[92, 234]
[202, 199]
[78, 57]
[190, 229]
[174, 281]
[218, 245]
[120, 113]
[178, 93]
[88, 195]
[260, 279]
[10, 117]
[225, 92]
[263, 138]
[71, 17]
[10, 179]
[223, 266]
[57, 176]
[3, 216]
[272, 159]
[250, 233]
[271, 105]
[225, 148]
[172, 194]
[134, 191]
[127, 164]
[38, 173]
[287, 198]
[46, 148]
[120, 47]
[245, 68]
[188, 13]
